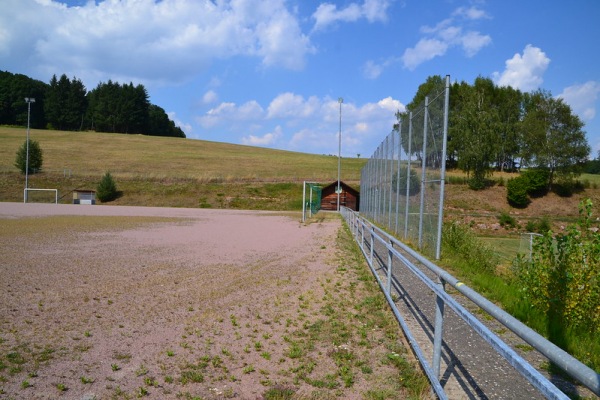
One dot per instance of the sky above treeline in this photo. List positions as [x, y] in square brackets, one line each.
[269, 73]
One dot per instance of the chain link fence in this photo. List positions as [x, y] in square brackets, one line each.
[402, 184]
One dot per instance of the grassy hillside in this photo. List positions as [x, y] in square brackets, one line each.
[169, 171]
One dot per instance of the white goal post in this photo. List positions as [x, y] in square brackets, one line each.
[27, 190]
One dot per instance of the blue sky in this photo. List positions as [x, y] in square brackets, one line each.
[269, 72]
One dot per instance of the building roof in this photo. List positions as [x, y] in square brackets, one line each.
[344, 186]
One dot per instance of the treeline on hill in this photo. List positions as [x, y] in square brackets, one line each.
[65, 104]
[493, 128]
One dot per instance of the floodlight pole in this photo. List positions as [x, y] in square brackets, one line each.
[28, 100]
[340, 100]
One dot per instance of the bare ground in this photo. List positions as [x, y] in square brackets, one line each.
[102, 302]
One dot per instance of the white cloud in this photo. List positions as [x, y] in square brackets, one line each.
[582, 99]
[524, 72]
[290, 105]
[472, 42]
[210, 97]
[230, 112]
[471, 13]
[317, 117]
[446, 34]
[147, 40]
[425, 50]
[371, 70]
[268, 139]
[372, 10]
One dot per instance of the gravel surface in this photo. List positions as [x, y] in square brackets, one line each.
[129, 307]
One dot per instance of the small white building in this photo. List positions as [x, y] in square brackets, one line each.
[81, 196]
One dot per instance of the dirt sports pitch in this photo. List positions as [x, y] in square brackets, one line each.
[100, 302]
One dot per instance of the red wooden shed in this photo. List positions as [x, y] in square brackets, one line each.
[349, 197]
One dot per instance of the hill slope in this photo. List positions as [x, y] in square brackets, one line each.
[170, 171]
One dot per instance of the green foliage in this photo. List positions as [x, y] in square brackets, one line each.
[458, 239]
[516, 192]
[36, 158]
[540, 226]
[107, 189]
[537, 181]
[566, 185]
[414, 184]
[552, 136]
[562, 279]
[14, 88]
[507, 220]
[478, 182]
[65, 103]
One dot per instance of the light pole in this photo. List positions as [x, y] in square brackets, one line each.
[340, 100]
[28, 100]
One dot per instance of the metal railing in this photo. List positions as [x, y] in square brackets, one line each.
[392, 261]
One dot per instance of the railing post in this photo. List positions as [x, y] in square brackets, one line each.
[372, 240]
[389, 268]
[439, 331]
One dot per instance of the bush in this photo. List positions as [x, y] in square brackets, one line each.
[537, 181]
[540, 226]
[477, 183]
[506, 220]
[460, 240]
[36, 158]
[107, 189]
[516, 192]
[562, 279]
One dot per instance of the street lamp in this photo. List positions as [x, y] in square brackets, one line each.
[28, 100]
[340, 100]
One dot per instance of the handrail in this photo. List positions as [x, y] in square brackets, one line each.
[565, 361]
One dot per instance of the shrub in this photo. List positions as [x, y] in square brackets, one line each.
[460, 240]
[107, 189]
[36, 158]
[506, 220]
[541, 226]
[531, 226]
[537, 181]
[516, 192]
[544, 225]
[562, 279]
[477, 183]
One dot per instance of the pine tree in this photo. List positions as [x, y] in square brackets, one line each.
[36, 158]
[107, 189]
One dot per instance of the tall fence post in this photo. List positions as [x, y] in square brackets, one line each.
[406, 211]
[438, 248]
[423, 172]
[398, 177]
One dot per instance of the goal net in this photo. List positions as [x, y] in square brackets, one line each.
[311, 199]
[40, 196]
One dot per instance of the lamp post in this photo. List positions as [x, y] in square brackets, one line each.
[28, 100]
[340, 100]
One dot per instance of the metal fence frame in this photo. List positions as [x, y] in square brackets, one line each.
[369, 237]
[416, 148]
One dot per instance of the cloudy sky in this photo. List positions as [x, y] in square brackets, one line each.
[269, 72]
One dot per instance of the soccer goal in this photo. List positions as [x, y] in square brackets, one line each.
[40, 195]
[313, 203]
[526, 243]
